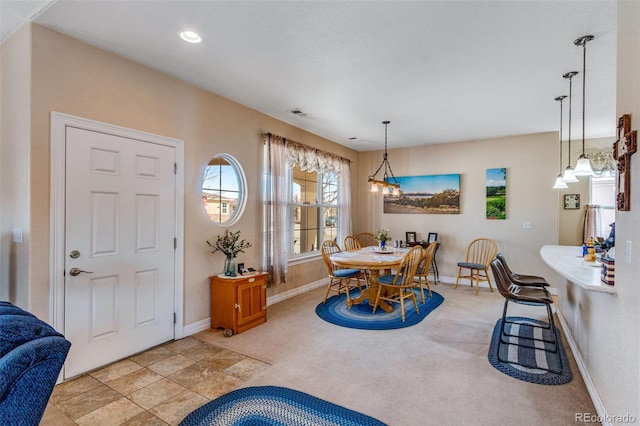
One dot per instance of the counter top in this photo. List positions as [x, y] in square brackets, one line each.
[568, 262]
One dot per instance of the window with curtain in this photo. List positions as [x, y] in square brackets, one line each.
[603, 193]
[314, 210]
[307, 199]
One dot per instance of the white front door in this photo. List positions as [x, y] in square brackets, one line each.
[119, 243]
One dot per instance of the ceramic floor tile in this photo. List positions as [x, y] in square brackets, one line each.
[177, 408]
[134, 381]
[53, 416]
[75, 387]
[246, 368]
[87, 402]
[182, 344]
[152, 356]
[112, 414]
[115, 371]
[201, 351]
[193, 374]
[156, 393]
[145, 419]
[170, 365]
[216, 385]
[224, 359]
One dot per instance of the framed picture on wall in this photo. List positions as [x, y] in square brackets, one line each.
[571, 201]
[432, 237]
[411, 237]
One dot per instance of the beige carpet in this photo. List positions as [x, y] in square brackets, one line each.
[434, 373]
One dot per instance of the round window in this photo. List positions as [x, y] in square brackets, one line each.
[224, 189]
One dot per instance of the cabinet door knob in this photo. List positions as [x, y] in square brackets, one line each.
[251, 280]
[238, 308]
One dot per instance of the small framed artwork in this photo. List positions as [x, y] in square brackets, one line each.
[411, 237]
[432, 237]
[571, 201]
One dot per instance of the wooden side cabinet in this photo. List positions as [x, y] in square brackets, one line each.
[240, 303]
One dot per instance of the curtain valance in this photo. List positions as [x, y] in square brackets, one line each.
[310, 159]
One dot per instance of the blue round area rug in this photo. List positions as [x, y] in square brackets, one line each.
[274, 405]
[361, 316]
[530, 364]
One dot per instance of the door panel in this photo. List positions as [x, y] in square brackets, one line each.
[120, 216]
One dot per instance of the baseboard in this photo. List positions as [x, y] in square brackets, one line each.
[276, 298]
[196, 327]
[205, 324]
[591, 388]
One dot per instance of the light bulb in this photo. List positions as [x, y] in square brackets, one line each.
[374, 187]
[385, 190]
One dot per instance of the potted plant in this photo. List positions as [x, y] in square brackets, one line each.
[229, 244]
[382, 236]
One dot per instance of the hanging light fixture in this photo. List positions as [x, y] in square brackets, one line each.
[568, 175]
[559, 182]
[583, 166]
[385, 183]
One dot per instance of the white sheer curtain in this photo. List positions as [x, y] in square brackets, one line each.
[344, 200]
[276, 203]
[282, 155]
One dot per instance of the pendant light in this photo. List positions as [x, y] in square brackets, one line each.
[568, 175]
[583, 166]
[559, 182]
[385, 183]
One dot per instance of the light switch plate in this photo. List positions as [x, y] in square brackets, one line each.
[17, 235]
[527, 225]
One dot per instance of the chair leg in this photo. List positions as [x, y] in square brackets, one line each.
[458, 278]
[415, 303]
[346, 289]
[402, 304]
[375, 304]
[326, 296]
[422, 288]
[477, 280]
[428, 288]
[486, 274]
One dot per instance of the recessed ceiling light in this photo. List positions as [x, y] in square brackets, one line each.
[190, 36]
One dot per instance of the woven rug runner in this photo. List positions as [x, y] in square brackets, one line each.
[273, 405]
[534, 360]
[361, 316]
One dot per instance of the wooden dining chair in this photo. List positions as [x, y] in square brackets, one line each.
[480, 253]
[340, 280]
[351, 243]
[395, 288]
[366, 239]
[424, 268]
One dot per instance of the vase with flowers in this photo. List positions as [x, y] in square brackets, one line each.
[230, 244]
[382, 236]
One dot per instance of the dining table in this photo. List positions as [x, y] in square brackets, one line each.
[375, 260]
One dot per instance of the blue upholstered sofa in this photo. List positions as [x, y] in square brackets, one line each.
[31, 356]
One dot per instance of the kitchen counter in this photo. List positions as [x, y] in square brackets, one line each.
[568, 262]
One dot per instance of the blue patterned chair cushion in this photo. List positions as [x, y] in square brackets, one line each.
[16, 330]
[472, 265]
[345, 273]
[388, 279]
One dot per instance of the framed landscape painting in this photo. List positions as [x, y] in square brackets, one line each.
[497, 193]
[429, 194]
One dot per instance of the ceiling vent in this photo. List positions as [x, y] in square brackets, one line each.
[298, 112]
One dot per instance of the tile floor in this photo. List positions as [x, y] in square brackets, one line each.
[157, 387]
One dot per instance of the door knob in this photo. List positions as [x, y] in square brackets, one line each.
[77, 271]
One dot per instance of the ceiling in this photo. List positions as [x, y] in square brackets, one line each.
[440, 71]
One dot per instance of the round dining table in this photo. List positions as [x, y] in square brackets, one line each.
[374, 260]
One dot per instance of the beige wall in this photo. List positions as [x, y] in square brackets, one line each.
[531, 163]
[15, 64]
[75, 78]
